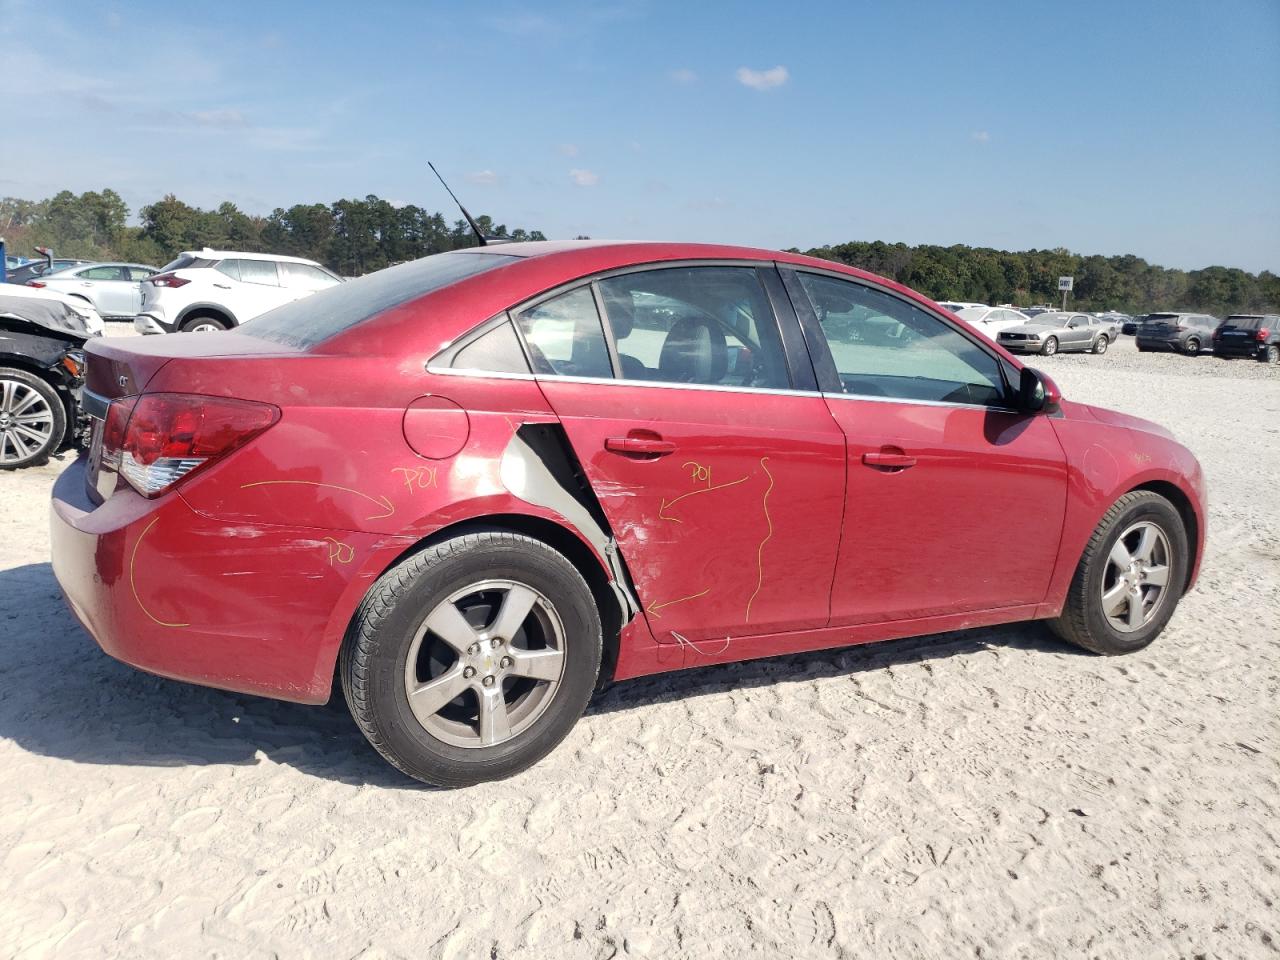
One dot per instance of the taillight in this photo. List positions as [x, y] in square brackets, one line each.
[1217, 334]
[1264, 333]
[156, 439]
[1179, 329]
[167, 280]
[35, 283]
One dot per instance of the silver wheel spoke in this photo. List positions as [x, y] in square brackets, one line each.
[431, 697]
[537, 664]
[448, 623]
[43, 416]
[6, 396]
[1146, 543]
[1120, 554]
[30, 399]
[515, 609]
[495, 725]
[1114, 599]
[1157, 576]
[1135, 610]
[23, 431]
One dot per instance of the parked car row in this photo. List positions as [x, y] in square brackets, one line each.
[199, 291]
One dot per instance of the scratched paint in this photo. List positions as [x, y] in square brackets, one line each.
[133, 583]
[764, 503]
[340, 552]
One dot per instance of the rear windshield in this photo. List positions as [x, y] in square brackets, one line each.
[186, 260]
[1243, 323]
[306, 322]
[1156, 317]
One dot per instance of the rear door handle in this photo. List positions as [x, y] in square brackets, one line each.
[640, 446]
[223, 286]
[889, 460]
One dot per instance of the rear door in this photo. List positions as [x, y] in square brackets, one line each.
[955, 501]
[255, 287]
[695, 418]
[109, 288]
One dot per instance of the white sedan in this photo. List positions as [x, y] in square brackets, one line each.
[113, 289]
[989, 321]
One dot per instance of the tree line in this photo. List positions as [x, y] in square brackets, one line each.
[351, 237]
[357, 236]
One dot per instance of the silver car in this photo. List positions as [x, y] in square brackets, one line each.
[113, 289]
[1048, 333]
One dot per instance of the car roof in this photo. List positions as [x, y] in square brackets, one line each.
[207, 254]
[590, 256]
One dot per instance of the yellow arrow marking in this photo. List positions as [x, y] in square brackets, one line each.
[133, 557]
[380, 501]
[662, 510]
[655, 607]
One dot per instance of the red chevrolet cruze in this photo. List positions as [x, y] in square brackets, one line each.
[488, 481]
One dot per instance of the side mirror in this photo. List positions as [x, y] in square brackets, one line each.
[1036, 392]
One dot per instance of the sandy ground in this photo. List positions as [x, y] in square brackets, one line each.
[990, 793]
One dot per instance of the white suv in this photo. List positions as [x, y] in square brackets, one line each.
[217, 289]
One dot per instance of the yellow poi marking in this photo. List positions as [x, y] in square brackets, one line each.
[666, 504]
[655, 607]
[340, 552]
[133, 558]
[383, 502]
[420, 478]
[767, 537]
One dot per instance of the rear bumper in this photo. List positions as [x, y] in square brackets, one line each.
[1229, 349]
[146, 323]
[253, 608]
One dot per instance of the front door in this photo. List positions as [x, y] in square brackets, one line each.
[955, 501]
[723, 485]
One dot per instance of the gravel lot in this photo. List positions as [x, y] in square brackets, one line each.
[990, 793]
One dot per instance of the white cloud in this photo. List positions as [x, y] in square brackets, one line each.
[980, 136]
[763, 79]
[683, 76]
[482, 177]
[584, 178]
[224, 117]
[568, 149]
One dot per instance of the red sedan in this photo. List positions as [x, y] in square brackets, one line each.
[486, 482]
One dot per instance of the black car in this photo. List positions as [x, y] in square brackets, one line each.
[41, 373]
[1249, 335]
[1187, 333]
[1131, 326]
[38, 268]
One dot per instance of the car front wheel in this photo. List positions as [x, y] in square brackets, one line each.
[1050, 347]
[1130, 578]
[33, 421]
[471, 660]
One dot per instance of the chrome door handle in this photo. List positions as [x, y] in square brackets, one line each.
[223, 286]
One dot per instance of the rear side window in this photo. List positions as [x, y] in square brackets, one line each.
[104, 273]
[709, 325]
[325, 314]
[230, 267]
[565, 337]
[259, 271]
[494, 351]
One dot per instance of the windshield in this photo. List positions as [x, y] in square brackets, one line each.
[306, 322]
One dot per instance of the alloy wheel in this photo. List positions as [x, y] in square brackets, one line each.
[26, 422]
[485, 664]
[1135, 581]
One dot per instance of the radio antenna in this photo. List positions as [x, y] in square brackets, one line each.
[475, 227]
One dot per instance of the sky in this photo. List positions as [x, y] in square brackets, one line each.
[1150, 128]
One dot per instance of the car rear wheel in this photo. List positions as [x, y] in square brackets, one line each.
[33, 421]
[203, 325]
[1130, 578]
[1050, 347]
[1192, 346]
[1100, 345]
[471, 660]
[1271, 354]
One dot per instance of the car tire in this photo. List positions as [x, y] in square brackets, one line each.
[203, 324]
[393, 642]
[1100, 345]
[1099, 614]
[29, 441]
[1050, 347]
[1192, 347]
[1271, 354]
